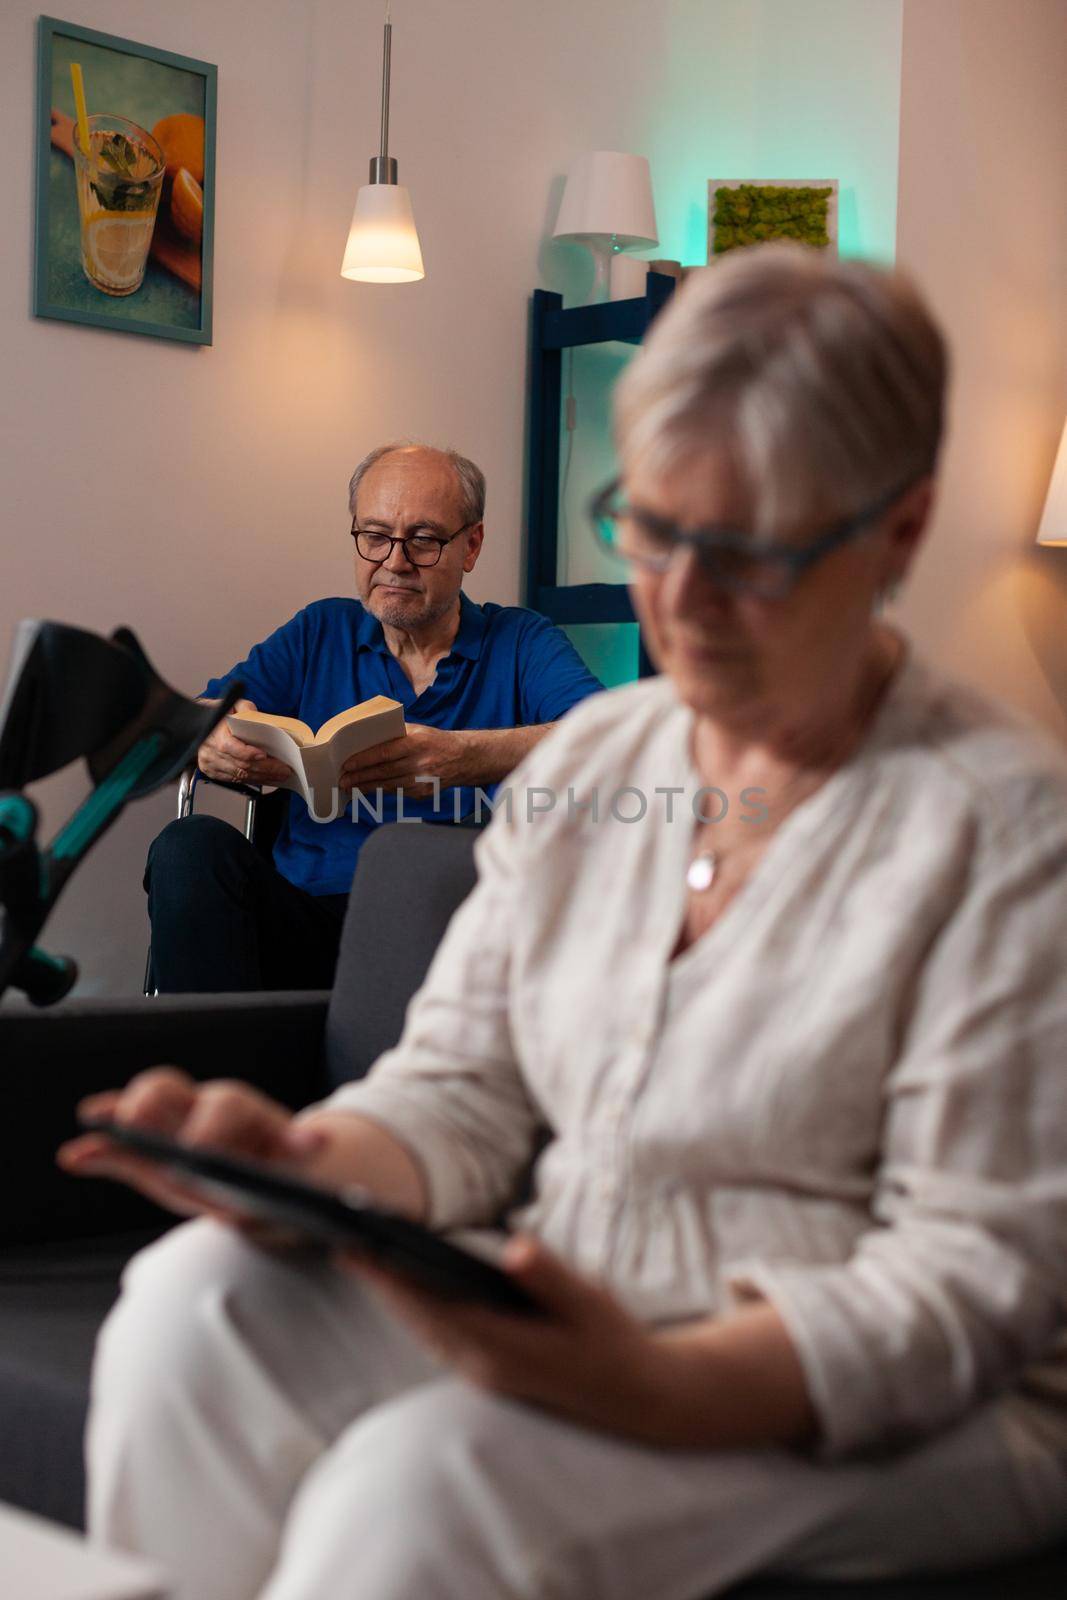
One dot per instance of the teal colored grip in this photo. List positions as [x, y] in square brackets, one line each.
[106, 800]
[56, 964]
[17, 815]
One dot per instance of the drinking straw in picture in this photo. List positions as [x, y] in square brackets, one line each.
[79, 103]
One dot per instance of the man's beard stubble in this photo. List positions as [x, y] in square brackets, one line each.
[403, 614]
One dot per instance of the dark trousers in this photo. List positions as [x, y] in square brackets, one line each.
[224, 919]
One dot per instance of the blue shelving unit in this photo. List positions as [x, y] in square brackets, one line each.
[554, 330]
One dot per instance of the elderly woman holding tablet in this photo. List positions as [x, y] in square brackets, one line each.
[765, 972]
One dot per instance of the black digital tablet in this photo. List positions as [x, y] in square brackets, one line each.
[329, 1216]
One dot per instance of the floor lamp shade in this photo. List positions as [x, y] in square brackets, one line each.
[1053, 529]
[383, 244]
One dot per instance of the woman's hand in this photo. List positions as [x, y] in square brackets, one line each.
[726, 1382]
[227, 759]
[223, 1115]
[588, 1359]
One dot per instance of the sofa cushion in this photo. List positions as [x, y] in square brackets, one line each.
[51, 1059]
[409, 880]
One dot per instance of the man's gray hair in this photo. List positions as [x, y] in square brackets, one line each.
[470, 479]
[823, 380]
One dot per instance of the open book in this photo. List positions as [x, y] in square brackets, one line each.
[317, 758]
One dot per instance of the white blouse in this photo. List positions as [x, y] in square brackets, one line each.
[848, 1097]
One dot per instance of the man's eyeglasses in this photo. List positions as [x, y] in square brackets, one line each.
[732, 559]
[421, 549]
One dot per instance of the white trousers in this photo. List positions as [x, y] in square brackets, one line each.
[262, 1428]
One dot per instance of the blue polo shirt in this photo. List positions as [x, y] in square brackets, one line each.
[508, 667]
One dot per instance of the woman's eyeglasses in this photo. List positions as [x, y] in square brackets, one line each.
[732, 559]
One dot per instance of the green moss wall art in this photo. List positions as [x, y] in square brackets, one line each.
[746, 211]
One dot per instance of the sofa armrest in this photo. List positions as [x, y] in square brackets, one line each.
[50, 1059]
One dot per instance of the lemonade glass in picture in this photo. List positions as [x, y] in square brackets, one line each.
[118, 183]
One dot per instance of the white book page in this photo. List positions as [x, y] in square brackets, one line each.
[363, 735]
[275, 742]
[323, 763]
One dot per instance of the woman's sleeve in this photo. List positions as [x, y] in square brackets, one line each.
[451, 1090]
[962, 1281]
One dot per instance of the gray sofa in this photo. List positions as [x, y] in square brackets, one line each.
[63, 1241]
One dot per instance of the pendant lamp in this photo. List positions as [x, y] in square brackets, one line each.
[383, 245]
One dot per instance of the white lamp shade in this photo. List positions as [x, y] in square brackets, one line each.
[383, 244]
[1053, 529]
[608, 194]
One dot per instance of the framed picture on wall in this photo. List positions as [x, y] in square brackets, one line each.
[743, 211]
[124, 228]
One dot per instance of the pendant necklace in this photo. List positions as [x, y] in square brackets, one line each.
[701, 871]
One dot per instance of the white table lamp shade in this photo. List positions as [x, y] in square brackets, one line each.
[608, 194]
[383, 243]
[1053, 529]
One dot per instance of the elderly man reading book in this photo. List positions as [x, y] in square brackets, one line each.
[474, 688]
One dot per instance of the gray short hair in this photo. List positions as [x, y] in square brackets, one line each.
[824, 380]
[470, 479]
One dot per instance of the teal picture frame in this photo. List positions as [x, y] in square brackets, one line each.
[169, 304]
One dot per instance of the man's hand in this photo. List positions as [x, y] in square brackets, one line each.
[456, 756]
[225, 1115]
[409, 762]
[227, 759]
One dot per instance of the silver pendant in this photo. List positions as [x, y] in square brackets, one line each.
[701, 872]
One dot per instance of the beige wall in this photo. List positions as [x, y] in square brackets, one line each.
[982, 222]
[223, 512]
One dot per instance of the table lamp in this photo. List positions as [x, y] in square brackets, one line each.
[1053, 529]
[607, 205]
